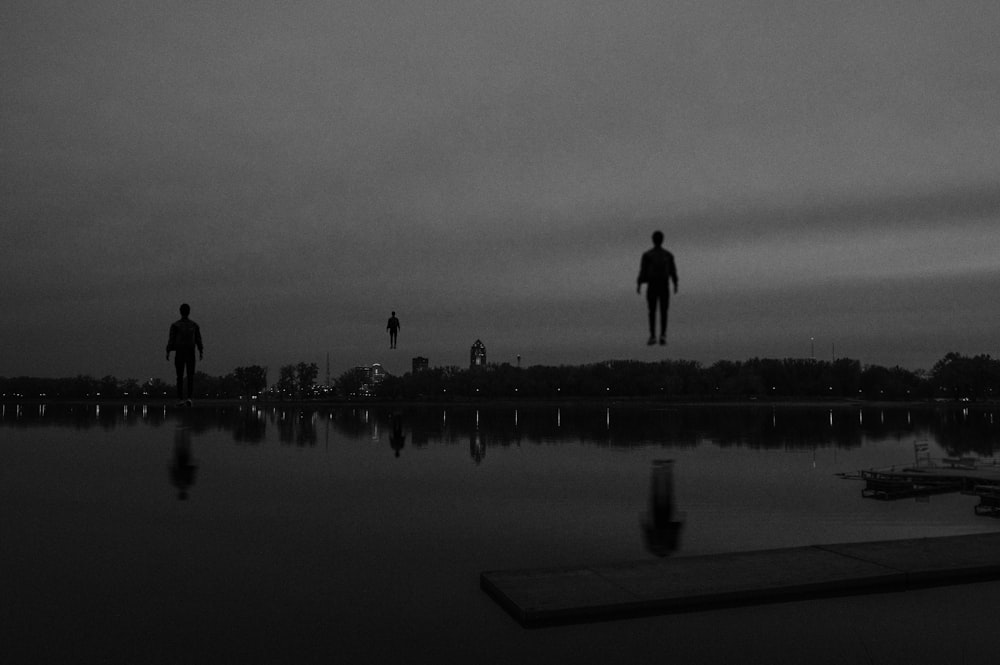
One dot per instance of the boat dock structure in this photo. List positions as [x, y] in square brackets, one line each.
[926, 477]
[551, 596]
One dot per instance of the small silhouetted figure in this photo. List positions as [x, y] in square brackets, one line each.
[183, 469]
[393, 327]
[185, 337]
[660, 528]
[657, 270]
[397, 439]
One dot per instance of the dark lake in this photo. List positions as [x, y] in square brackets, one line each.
[246, 534]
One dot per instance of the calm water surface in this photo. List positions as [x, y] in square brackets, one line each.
[253, 534]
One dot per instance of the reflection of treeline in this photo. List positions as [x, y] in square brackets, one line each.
[959, 430]
[953, 377]
[964, 431]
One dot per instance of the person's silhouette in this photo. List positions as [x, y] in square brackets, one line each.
[657, 269]
[185, 337]
[393, 327]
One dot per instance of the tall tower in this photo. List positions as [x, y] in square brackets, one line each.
[477, 355]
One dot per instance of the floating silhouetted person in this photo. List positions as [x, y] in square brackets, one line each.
[657, 270]
[393, 327]
[661, 528]
[185, 337]
[182, 470]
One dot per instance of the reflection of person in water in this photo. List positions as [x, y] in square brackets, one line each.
[477, 447]
[182, 470]
[393, 327]
[397, 439]
[661, 530]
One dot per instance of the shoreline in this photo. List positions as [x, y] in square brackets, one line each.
[515, 402]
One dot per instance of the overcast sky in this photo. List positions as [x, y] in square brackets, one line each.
[827, 175]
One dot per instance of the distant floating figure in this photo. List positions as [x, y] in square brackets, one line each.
[182, 470]
[185, 337]
[393, 327]
[657, 270]
[660, 528]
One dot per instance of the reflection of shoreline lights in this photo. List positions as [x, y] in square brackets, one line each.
[635, 426]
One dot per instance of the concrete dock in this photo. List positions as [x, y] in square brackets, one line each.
[548, 596]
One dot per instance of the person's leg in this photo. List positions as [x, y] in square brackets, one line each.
[190, 376]
[651, 302]
[664, 308]
[179, 367]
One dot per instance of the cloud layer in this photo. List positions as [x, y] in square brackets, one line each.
[493, 170]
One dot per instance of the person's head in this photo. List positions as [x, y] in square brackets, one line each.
[657, 238]
[185, 309]
[394, 313]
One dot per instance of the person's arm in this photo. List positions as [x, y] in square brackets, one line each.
[170, 341]
[673, 272]
[197, 342]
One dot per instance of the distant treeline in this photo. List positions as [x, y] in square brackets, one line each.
[954, 377]
[242, 381]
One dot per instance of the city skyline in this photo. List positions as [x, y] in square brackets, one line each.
[824, 174]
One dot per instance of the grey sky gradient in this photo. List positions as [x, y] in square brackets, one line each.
[493, 170]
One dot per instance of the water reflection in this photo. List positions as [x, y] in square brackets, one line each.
[960, 431]
[397, 440]
[296, 426]
[183, 468]
[661, 527]
[477, 447]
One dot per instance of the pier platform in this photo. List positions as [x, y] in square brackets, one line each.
[549, 596]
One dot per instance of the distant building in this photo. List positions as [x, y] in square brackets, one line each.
[419, 364]
[370, 377]
[477, 355]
